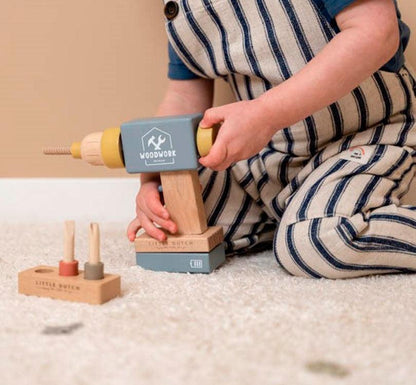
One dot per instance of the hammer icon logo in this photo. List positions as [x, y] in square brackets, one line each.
[160, 140]
[157, 148]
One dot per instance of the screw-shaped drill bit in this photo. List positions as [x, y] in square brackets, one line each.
[60, 150]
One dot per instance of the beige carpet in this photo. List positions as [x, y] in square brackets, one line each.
[247, 323]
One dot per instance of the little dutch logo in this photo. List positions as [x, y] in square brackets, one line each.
[196, 263]
[157, 148]
[358, 154]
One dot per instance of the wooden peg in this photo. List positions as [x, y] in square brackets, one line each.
[94, 268]
[94, 255]
[69, 241]
[68, 266]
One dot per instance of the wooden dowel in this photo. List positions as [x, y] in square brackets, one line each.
[69, 241]
[94, 256]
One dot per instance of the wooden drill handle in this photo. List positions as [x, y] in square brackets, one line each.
[183, 199]
[182, 190]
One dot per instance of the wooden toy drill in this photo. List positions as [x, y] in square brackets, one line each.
[167, 145]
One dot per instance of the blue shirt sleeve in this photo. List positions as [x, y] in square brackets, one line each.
[177, 70]
[331, 8]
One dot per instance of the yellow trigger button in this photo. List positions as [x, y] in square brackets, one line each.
[205, 138]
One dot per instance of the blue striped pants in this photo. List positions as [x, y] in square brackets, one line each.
[334, 214]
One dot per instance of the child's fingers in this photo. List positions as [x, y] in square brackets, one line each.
[146, 210]
[151, 229]
[212, 116]
[166, 224]
[156, 207]
[216, 158]
[150, 204]
[132, 229]
[136, 224]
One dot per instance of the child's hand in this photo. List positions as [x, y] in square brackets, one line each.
[243, 133]
[149, 210]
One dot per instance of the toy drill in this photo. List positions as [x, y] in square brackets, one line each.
[170, 146]
[145, 145]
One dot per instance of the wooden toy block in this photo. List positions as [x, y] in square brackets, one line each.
[190, 253]
[45, 281]
[191, 243]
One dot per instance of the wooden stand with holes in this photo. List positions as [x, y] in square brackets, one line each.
[44, 281]
[67, 282]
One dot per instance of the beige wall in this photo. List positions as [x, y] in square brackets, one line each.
[68, 68]
[408, 9]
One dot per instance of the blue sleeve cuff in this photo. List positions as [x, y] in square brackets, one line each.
[333, 7]
[177, 70]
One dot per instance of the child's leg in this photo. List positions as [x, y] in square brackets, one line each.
[346, 220]
[246, 226]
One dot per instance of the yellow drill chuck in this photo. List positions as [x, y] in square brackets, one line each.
[98, 148]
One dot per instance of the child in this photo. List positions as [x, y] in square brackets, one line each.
[319, 148]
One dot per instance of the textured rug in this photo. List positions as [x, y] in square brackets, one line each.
[247, 323]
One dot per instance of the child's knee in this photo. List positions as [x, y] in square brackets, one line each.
[286, 249]
[314, 248]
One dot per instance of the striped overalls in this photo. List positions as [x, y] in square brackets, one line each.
[327, 190]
